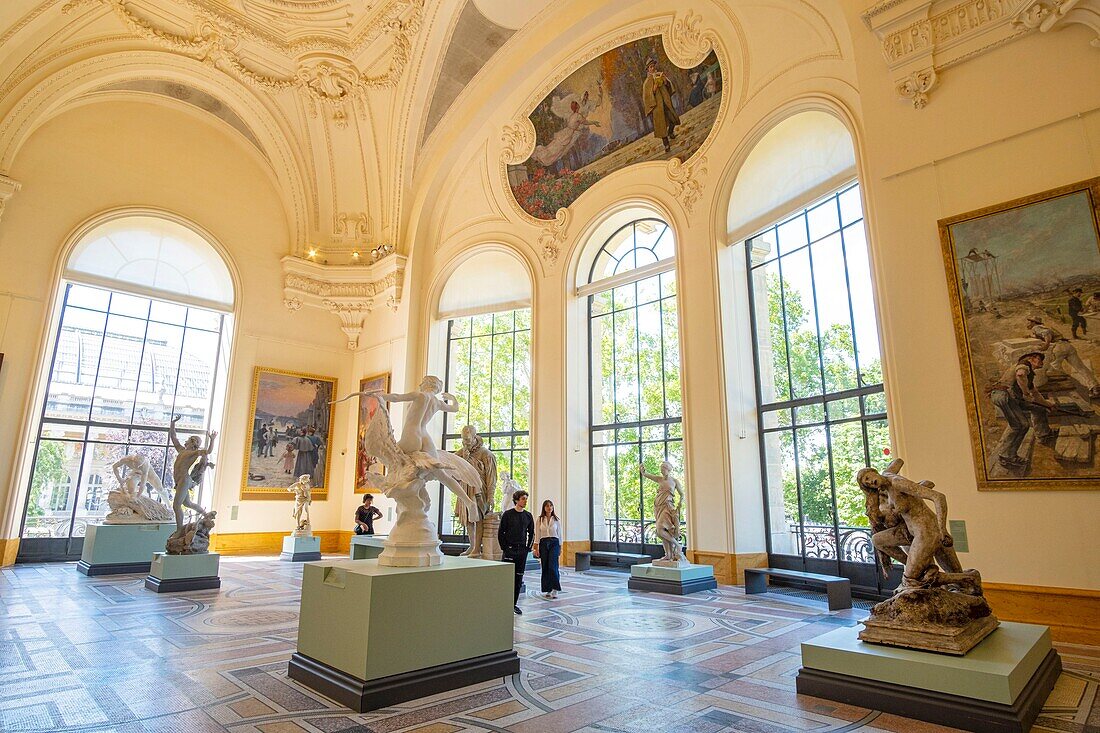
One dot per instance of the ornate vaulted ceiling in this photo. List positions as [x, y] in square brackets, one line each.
[321, 89]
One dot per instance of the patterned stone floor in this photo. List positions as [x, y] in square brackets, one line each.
[88, 654]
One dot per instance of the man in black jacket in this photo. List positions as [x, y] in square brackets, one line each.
[516, 534]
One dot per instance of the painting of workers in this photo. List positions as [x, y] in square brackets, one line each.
[629, 105]
[1024, 279]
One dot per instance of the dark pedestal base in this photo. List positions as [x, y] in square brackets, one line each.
[115, 568]
[299, 556]
[365, 696]
[174, 585]
[675, 587]
[937, 707]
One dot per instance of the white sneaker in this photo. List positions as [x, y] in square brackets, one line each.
[553, 594]
[548, 595]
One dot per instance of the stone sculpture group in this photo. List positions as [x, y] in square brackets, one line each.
[413, 460]
[192, 460]
[938, 606]
[474, 452]
[302, 499]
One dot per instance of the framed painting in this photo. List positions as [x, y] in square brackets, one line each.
[1024, 282]
[364, 462]
[290, 433]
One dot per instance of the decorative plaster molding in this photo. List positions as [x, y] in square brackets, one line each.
[916, 87]
[553, 236]
[517, 141]
[8, 187]
[351, 225]
[921, 38]
[324, 74]
[347, 291]
[685, 179]
[688, 43]
[1048, 15]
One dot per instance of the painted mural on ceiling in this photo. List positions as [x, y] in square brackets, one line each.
[629, 105]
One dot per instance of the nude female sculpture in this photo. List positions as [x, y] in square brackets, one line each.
[187, 469]
[666, 513]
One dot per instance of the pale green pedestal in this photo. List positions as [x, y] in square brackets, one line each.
[999, 685]
[301, 549]
[366, 546]
[171, 573]
[679, 581]
[112, 549]
[371, 636]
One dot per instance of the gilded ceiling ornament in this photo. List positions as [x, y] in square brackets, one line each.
[324, 75]
[685, 179]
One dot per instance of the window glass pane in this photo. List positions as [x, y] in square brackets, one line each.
[763, 247]
[840, 409]
[76, 360]
[791, 235]
[834, 316]
[801, 324]
[86, 297]
[771, 341]
[130, 305]
[603, 494]
[52, 491]
[460, 327]
[196, 378]
[863, 304]
[806, 414]
[626, 366]
[823, 219]
[168, 313]
[782, 496]
[817, 497]
[119, 360]
[851, 209]
[206, 320]
[160, 363]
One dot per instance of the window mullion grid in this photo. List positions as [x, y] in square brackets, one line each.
[791, 394]
[638, 388]
[821, 367]
[141, 361]
[91, 409]
[848, 292]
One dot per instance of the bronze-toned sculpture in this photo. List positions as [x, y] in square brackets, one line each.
[938, 606]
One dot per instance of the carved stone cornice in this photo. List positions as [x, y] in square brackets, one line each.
[349, 292]
[8, 187]
[324, 71]
[921, 38]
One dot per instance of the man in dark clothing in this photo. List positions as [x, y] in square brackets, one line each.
[515, 535]
[1023, 406]
[365, 516]
[1075, 307]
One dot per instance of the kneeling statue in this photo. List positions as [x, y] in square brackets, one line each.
[938, 606]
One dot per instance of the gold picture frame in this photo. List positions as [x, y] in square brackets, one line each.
[296, 405]
[364, 462]
[1023, 278]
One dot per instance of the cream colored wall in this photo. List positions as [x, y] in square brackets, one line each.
[1016, 121]
[113, 154]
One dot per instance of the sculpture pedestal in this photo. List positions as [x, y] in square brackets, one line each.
[679, 580]
[113, 549]
[405, 632]
[172, 573]
[301, 548]
[998, 687]
[367, 546]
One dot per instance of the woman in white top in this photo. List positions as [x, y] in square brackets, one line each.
[548, 548]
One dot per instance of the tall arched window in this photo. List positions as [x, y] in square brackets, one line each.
[635, 416]
[486, 306]
[141, 335]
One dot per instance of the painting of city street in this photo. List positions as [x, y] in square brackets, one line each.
[1024, 280]
[290, 430]
[629, 105]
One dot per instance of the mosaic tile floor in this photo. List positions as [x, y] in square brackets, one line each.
[94, 654]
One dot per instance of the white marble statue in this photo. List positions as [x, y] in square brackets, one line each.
[413, 460]
[475, 453]
[191, 462]
[666, 516]
[128, 502]
[302, 499]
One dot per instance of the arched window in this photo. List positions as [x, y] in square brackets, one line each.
[822, 408]
[635, 416]
[141, 335]
[486, 306]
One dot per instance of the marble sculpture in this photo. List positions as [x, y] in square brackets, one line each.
[302, 499]
[474, 452]
[191, 461]
[938, 606]
[129, 504]
[413, 460]
[666, 516]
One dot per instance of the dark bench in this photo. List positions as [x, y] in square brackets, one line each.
[838, 589]
[584, 559]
